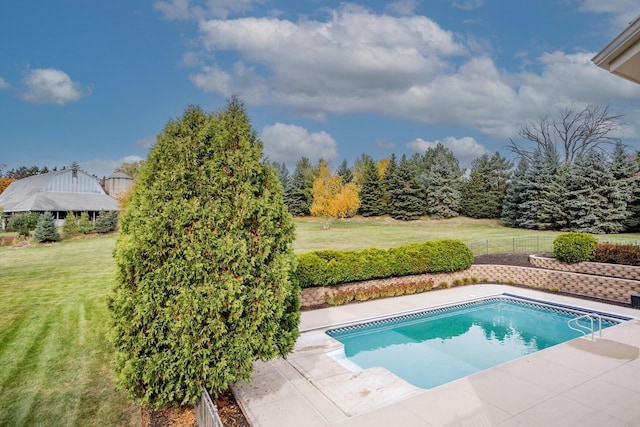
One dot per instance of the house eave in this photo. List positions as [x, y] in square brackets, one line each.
[622, 55]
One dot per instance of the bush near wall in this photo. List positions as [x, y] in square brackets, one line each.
[574, 247]
[617, 254]
[329, 267]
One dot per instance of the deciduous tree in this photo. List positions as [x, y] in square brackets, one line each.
[332, 198]
[570, 135]
[130, 168]
[4, 183]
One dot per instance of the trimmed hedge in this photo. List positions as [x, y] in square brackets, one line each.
[329, 267]
[611, 253]
[574, 247]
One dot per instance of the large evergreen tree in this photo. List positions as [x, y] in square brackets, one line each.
[282, 172]
[405, 193]
[371, 192]
[625, 173]
[298, 193]
[442, 182]
[483, 193]
[203, 262]
[543, 193]
[345, 172]
[593, 203]
[514, 196]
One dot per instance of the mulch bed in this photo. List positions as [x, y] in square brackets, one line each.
[228, 408]
[185, 416]
[518, 260]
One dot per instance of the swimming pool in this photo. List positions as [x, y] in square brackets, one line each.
[436, 346]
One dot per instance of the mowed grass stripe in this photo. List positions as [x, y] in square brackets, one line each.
[25, 380]
[55, 355]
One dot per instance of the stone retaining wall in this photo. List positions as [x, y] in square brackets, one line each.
[595, 268]
[598, 286]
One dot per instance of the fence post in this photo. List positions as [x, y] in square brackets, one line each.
[514, 245]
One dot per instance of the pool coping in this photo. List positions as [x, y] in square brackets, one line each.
[310, 385]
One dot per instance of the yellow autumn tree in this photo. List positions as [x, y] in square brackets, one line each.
[4, 183]
[332, 198]
[382, 167]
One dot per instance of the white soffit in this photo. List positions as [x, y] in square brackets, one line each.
[622, 56]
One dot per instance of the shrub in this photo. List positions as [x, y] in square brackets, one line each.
[329, 267]
[24, 223]
[106, 222]
[617, 254]
[46, 230]
[574, 247]
[69, 226]
[85, 226]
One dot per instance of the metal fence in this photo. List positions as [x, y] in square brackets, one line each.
[530, 244]
[207, 412]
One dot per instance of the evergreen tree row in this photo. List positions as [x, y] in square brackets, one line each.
[593, 194]
[408, 188]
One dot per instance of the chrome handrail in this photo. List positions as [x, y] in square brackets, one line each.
[584, 329]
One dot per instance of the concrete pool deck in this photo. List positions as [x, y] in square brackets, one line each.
[578, 383]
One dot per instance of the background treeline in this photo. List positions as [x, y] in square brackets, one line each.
[577, 176]
[596, 193]
[570, 173]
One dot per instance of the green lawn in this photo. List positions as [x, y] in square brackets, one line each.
[55, 358]
[384, 232]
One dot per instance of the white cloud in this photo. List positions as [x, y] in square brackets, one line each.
[357, 62]
[402, 7]
[466, 149]
[51, 86]
[288, 143]
[105, 167]
[621, 11]
[188, 9]
[467, 4]
[354, 53]
[4, 84]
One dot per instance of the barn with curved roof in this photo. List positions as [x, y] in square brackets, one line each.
[67, 190]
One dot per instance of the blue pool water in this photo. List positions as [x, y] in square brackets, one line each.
[437, 346]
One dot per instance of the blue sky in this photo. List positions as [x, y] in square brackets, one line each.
[94, 81]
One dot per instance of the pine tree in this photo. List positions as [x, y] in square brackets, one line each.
[484, 192]
[514, 198]
[442, 182]
[592, 201]
[282, 171]
[625, 172]
[46, 230]
[543, 193]
[405, 193]
[69, 226]
[345, 172]
[85, 226]
[371, 192]
[106, 222]
[203, 259]
[298, 196]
